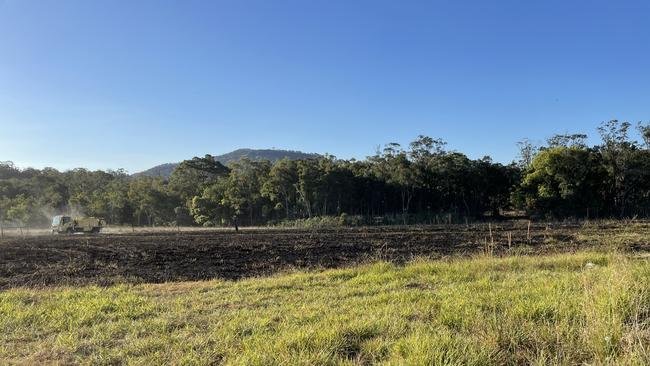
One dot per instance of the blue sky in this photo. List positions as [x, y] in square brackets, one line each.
[131, 84]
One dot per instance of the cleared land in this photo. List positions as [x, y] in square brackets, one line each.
[199, 255]
[437, 295]
[583, 308]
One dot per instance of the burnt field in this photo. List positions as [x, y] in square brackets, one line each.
[196, 255]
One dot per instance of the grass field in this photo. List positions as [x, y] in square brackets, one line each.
[587, 307]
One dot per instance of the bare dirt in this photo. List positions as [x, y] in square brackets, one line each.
[47, 260]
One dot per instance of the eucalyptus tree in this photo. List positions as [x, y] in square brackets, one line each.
[309, 187]
[564, 181]
[244, 187]
[617, 151]
[191, 177]
[281, 186]
[211, 207]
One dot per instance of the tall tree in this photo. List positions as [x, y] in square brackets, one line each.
[150, 200]
[617, 150]
[281, 186]
[309, 186]
[212, 207]
[644, 130]
[527, 152]
[191, 177]
[243, 192]
[564, 181]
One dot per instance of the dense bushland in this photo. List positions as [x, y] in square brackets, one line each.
[422, 183]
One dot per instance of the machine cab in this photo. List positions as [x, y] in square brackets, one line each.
[60, 220]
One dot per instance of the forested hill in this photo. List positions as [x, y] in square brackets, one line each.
[165, 170]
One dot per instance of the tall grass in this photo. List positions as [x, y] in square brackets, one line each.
[562, 309]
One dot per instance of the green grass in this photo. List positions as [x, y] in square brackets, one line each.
[481, 311]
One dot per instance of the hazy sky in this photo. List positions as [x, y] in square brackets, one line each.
[110, 84]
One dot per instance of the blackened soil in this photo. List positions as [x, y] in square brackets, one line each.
[161, 257]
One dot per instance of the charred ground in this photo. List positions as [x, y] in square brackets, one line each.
[198, 255]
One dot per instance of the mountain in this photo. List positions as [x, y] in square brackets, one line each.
[165, 170]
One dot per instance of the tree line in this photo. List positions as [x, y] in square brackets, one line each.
[421, 183]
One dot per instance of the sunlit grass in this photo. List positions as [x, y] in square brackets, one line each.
[561, 309]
